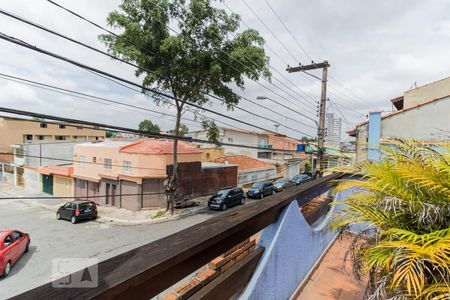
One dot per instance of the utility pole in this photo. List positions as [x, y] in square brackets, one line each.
[322, 107]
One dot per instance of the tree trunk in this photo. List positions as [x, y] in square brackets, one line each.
[174, 180]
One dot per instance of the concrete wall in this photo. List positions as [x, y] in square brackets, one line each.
[63, 186]
[196, 181]
[430, 122]
[13, 131]
[432, 90]
[247, 177]
[292, 247]
[55, 150]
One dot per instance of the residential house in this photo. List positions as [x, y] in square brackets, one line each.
[421, 113]
[19, 131]
[56, 180]
[131, 175]
[258, 140]
[250, 169]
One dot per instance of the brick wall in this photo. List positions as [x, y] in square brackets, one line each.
[195, 181]
[216, 267]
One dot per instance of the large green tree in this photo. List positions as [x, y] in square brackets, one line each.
[203, 54]
[149, 127]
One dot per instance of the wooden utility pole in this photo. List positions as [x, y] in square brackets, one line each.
[322, 108]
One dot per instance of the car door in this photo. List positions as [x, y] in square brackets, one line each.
[8, 246]
[19, 239]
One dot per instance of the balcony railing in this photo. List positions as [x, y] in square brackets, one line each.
[265, 146]
[146, 271]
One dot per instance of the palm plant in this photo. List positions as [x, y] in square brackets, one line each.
[403, 203]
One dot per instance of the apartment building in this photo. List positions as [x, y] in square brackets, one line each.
[20, 131]
[333, 129]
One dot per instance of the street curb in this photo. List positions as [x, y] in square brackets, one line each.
[101, 219]
[151, 221]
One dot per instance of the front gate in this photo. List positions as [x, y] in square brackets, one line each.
[47, 184]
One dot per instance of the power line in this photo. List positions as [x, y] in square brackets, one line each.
[287, 29]
[91, 22]
[134, 65]
[130, 130]
[270, 30]
[76, 198]
[83, 66]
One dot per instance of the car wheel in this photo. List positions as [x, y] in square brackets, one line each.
[27, 248]
[58, 216]
[243, 200]
[94, 218]
[73, 220]
[6, 269]
[224, 207]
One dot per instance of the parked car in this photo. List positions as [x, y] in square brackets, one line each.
[226, 197]
[301, 178]
[13, 243]
[77, 210]
[260, 190]
[282, 184]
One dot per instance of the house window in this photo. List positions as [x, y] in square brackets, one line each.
[28, 137]
[43, 125]
[61, 126]
[40, 137]
[94, 159]
[230, 140]
[60, 137]
[127, 166]
[108, 164]
[81, 160]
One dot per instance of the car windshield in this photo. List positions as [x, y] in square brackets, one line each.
[221, 193]
[258, 185]
[280, 181]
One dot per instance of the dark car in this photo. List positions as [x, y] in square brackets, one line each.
[282, 184]
[301, 178]
[77, 210]
[226, 197]
[260, 190]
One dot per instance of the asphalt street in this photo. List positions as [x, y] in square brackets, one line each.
[51, 239]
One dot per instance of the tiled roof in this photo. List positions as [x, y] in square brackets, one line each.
[6, 157]
[158, 147]
[244, 162]
[63, 170]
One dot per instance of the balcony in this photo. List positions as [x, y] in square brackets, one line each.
[265, 146]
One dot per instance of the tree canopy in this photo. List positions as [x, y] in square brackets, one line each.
[182, 132]
[149, 127]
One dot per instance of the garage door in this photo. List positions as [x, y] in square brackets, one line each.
[293, 169]
[47, 184]
[31, 180]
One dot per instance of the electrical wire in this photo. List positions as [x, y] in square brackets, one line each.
[101, 27]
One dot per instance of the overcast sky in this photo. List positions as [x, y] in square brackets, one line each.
[377, 50]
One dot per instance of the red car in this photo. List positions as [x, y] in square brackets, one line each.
[13, 243]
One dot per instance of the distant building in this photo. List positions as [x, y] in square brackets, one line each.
[250, 170]
[258, 140]
[20, 131]
[421, 113]
[333, 129]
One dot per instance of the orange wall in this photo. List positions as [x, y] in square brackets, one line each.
[149, 165]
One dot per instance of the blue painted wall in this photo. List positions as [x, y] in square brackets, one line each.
[374, 136]
[292, 247]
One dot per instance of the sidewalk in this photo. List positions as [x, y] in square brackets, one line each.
[105, 214]
[331, 280]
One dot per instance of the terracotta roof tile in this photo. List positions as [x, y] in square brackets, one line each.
[244, 162]
[158, 147]
[6, 157]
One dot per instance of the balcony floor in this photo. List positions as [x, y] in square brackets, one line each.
[331, 280]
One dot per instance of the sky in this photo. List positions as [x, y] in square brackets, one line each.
[376, 49]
